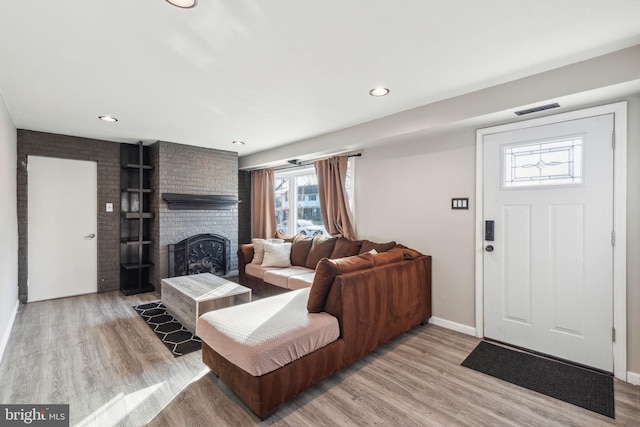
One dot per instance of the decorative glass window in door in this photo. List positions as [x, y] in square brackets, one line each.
[543, 163]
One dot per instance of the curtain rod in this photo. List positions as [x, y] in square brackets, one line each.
[295, 163]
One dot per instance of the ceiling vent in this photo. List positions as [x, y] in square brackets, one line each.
[536, 109]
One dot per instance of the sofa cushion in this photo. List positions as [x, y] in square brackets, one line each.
[285, 237]
[345, 247]
[258, 251]
[300, 249]
[301, 281]
[257, 270]
[280, 276]
[388, 257]
[320, 248]
[326, 271]
[276, 255]
[367, 245]
[410, 253]
[258, 248]
[273, 332]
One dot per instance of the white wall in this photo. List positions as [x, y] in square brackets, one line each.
[8, 224]
[403, 193]
[633, 233]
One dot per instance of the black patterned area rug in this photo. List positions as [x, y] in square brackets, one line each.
[178, 339]
[579, 386]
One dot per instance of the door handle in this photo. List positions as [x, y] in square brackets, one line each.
[90, 236]
[489, 248]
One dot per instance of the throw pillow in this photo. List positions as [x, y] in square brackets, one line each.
[258, 251]
[345, 247]
[285, 237]
[367, 245]
[326, 271]
[277, 255]
[320, 248]
[300, 249]
[388, 257]
[410, 253]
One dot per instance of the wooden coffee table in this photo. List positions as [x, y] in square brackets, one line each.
[188, 297]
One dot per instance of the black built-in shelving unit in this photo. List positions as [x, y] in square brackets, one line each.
[135, 223]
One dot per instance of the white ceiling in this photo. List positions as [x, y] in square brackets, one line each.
[272, 72]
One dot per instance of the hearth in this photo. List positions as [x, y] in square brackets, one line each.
[202, 253]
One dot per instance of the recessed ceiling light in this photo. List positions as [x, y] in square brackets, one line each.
[238, 142]
[185, 4]
[379, 91]
[108, 118]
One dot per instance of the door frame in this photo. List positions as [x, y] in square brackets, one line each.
[619, 110]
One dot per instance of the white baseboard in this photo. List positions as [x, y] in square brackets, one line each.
[633, 378]
[7, 333]
[458, 327]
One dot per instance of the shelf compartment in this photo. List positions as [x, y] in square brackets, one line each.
[137, 190]
[137, 215]
[135, 289]
[137, 166]
[135, 242]
[135, 281]
[136, 266]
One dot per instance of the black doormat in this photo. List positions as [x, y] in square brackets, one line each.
[579, 386]
[178, 339]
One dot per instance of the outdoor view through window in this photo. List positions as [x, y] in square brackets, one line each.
[298, 201]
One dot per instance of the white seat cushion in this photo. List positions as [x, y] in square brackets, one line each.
[266, 334]
[280, 277]
[301, 281]
[256, 270]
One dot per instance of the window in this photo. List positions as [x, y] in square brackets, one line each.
[543, 163]
[281, 199]
[301, 214]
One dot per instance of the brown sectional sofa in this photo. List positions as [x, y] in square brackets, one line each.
[374, 298]
[306, 252]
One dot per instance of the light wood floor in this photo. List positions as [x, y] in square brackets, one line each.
[95, 353]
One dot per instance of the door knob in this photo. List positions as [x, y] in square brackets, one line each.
[90, 236]
[489, 248]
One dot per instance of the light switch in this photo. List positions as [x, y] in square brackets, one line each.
[460, 203]
[109, 207]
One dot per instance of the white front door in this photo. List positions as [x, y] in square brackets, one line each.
[548, 272]
[62, 226]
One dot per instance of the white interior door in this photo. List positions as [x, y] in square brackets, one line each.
[548, 282]
[62, 226]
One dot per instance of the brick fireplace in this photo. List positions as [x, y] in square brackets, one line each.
[184, 169]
